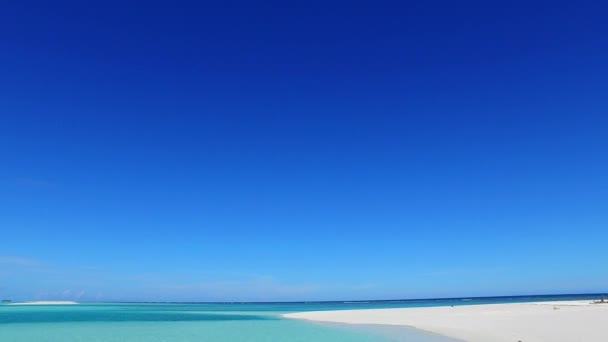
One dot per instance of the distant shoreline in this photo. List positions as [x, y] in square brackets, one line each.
[473, 300]
[45, 303]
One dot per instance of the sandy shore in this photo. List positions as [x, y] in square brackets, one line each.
[45, 303]
[568, 321]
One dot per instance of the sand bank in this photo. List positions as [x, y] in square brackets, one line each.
[567, 321]
[45, 303]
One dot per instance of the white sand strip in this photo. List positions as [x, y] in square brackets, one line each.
[567, 321]
[45, 303]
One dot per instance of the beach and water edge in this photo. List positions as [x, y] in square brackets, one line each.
[555, 318]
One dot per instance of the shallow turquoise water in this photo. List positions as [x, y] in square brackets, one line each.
[177, 323]
[205, 322]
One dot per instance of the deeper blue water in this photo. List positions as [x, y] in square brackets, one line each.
[247, 322]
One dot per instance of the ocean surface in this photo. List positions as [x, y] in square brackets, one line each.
[188, 322]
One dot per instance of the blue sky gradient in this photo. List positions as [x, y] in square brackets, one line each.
[274, 151]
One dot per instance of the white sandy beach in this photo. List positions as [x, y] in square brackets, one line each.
[567, 321]
[45, 303]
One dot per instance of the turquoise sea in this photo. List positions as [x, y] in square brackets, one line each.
[180, 322]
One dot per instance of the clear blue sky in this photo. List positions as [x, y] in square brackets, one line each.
[275, 151]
